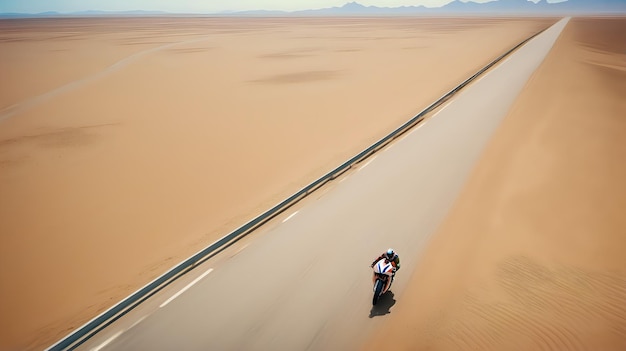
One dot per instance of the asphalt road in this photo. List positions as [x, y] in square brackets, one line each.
[303, 281]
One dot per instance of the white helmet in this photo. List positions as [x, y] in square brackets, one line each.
[390, 253]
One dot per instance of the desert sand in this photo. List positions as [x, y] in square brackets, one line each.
[531, 256]
[126, 145]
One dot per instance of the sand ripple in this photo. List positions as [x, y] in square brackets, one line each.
[547, 308]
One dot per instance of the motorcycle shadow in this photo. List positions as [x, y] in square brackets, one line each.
[383, 306]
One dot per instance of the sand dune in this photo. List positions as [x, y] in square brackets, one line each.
[128, 144]
[531, 257]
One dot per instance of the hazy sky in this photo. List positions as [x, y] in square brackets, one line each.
[186, 6]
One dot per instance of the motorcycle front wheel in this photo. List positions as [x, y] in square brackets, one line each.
[378, 288]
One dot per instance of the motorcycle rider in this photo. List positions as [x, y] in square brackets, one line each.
[392, 257]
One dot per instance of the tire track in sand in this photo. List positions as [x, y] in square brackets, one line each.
[73, 85]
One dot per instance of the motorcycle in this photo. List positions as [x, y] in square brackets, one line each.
[383, 274]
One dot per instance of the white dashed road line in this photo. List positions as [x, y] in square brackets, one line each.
[291, 215]
[186, 287]
[107, 341]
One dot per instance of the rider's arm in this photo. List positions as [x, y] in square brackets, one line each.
[397, 260]
[376, 260]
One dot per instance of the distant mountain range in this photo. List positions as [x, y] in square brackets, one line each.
[456, 7]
